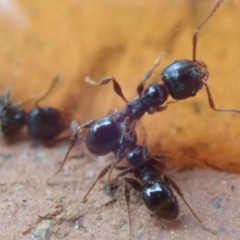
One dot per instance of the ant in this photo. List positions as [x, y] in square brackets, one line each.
[115, 132]
[43, 123]
[156, 188]
[12, 115]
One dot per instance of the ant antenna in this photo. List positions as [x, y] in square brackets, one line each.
[100, 176]
[179, 192]
[195, 33]
[148, 73]
[55, 80]
[116, 86]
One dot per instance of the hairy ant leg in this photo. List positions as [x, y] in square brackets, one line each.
[170, 182]
[116, 86]
[71, 144]
[128, 138]
[99, 177]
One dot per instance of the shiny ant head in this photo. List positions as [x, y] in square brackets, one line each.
[184, 78]
[159, 198]
[12, 119]
[12, 115]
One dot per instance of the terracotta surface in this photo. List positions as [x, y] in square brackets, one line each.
[101, 38]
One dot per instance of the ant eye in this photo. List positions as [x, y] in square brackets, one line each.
[159, 198]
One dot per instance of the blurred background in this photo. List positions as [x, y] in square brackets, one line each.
[123, 39]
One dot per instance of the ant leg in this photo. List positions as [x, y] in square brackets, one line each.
[55, 80]
[100, 176]
[195, 33]
[212, 104]
[148, 73]
[116, 86]
[72, 143]
[128, 134]
[169, 181]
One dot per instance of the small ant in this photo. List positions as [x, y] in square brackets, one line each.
[150, 180]
[154, 186]
[43, 123]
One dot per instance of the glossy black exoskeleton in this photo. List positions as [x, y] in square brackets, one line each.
[153, 184]
[45, 123]
[12, 115]
[184, 78]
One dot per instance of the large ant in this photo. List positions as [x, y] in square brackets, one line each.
[43, 123]
[181, 79]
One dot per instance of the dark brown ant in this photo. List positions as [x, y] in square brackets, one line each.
[155, 186]
[181, 79]
[43, 123]
[12, 115]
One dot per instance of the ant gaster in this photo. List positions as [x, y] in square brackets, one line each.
[46, 123]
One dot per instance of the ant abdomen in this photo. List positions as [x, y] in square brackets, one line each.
[103, 136]
[12, 120]
[160, 199]
[45, 123]
[184, 78]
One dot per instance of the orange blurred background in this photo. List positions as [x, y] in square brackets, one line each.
[123, 38]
